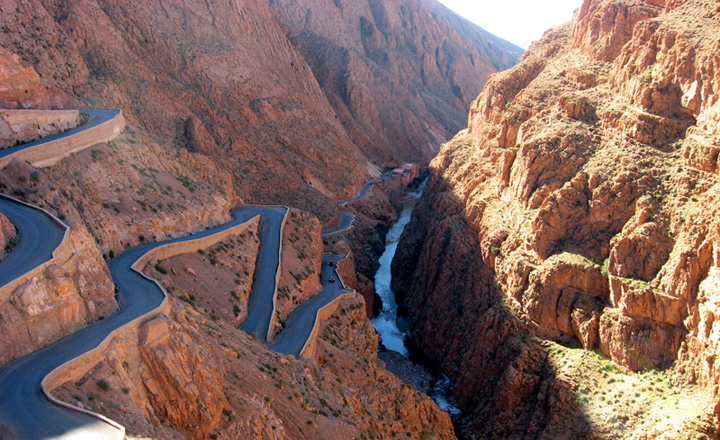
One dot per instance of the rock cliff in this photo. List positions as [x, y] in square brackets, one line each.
[311, 85]
[21, 84]
[366, 54]
[577, 208]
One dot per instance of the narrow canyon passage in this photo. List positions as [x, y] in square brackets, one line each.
[393, 328]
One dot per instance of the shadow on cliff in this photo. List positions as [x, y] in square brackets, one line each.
[459, 318]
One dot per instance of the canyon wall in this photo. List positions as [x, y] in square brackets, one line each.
[578, 208]
[371, 55]
[256, 86]
[22, 87]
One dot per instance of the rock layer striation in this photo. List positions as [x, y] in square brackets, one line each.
[578, 208]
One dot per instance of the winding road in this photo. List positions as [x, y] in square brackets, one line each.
[346, 221]
[28, 413]
[22, 403]
[363, 192]
[302, 320]
[262, 296]
[347, 218]
[38, 235]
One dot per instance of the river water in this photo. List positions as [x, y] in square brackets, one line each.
[386, 322]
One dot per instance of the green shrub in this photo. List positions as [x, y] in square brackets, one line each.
[103, 385]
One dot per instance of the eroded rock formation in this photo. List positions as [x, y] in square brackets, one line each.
[73, 291]
[578, 207]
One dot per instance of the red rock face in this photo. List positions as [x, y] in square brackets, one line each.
[581, 203]
[367, 54]
[279, 95]
[21, 85]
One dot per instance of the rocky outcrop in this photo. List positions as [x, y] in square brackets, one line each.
[576, 208]
[21, 85]
[72, 291]
[184, 385]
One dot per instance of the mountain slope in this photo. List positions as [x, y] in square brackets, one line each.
[397, 73]
[296, 113]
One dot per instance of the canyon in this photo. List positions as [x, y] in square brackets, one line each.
[221, 105]
[562, 263]
[561, 266]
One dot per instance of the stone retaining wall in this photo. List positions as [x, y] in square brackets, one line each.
[189, 246]
[325, 312]
[75, 369]
[51, 152]
[28, 125]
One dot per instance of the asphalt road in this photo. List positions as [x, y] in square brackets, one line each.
[301, 320]
[23, 407]
[97, 117]
[260, 308]
[362, 192]
[346, 220]
[37, 237]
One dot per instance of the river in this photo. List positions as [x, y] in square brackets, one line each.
[386, 322]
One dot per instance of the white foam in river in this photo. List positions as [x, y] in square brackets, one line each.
[386, 322]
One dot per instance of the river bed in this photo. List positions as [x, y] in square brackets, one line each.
[392, 330]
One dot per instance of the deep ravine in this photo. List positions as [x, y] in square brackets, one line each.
[392, 329]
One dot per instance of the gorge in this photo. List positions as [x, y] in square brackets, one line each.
[559, 270]
[213, 97]
[390, 325]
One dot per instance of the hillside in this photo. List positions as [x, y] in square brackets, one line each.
[562, 264]
[311, 85]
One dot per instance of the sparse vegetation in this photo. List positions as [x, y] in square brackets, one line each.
[102, 384]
